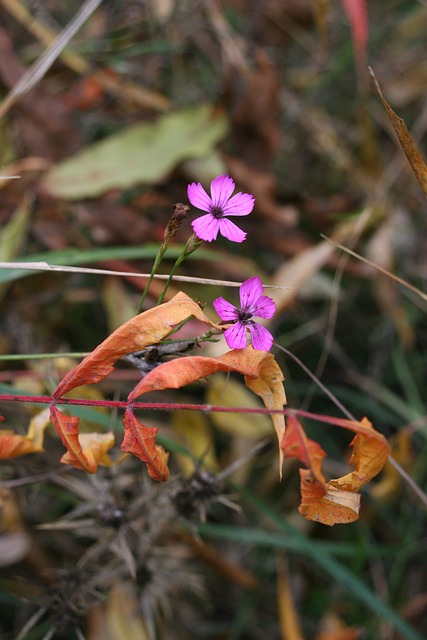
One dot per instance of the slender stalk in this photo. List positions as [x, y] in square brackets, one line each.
[191, 245]
[42, 356]
[178, 217]
[159, 257]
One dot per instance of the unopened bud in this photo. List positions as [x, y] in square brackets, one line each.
[180, 213]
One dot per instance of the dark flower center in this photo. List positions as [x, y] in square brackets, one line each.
[217, 212]
[244, 316]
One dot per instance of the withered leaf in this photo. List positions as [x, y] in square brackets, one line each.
[13, 445]
[141, 442]
[336, 501]
[145, 329]
[84, 451]
[261, 373]
[415, 159]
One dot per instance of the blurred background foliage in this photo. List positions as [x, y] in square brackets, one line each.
[147, 97]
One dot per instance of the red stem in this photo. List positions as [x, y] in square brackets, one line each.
[124, 404]
[163, 406]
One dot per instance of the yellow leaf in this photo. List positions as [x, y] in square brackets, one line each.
[228, 392]
[196, 434]
[13, 445]
[289, 620]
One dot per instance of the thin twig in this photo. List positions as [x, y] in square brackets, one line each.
[316, 380]
[40, 477]
[407, 478]
[114, 85]
[389, 274]
[44, 266]
[37, 70]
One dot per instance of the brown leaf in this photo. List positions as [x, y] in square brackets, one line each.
[262, 375]
[415, 159]
[84, 451]
[141, 442]
[298, 271]
[149, 327]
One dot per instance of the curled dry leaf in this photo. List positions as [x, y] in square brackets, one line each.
[145, 329]
[13, 445]
[138, 333]
[141, 442]
[336, 501]
[85, 451]
[326, 504]
[94, 447]
[261, 373]
[259, 368]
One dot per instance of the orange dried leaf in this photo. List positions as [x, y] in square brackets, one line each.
[13, 445]
[141, 442]
[370, 453]
[94, 447]
[141, 331]
[85, 451]
[295, 444]
[259, 368]
[149, 327]
[326, 504]
[336, 501]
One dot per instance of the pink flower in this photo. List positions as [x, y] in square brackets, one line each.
[219, 206]
[252, 303]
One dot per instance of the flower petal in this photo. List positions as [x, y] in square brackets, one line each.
[221, 189]
[262, 340]
[206, 227]
[239, 205]
[250, 292]
[226, 311]
[265, 307]
[198, 197]
[230, 231]
[235, 336]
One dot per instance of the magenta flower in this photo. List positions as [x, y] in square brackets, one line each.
[252, 303]
[219, 206]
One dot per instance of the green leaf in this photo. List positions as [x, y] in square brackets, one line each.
[13, 234]
[143, 154]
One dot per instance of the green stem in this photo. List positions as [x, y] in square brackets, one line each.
[191, 245]
[159, 257]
